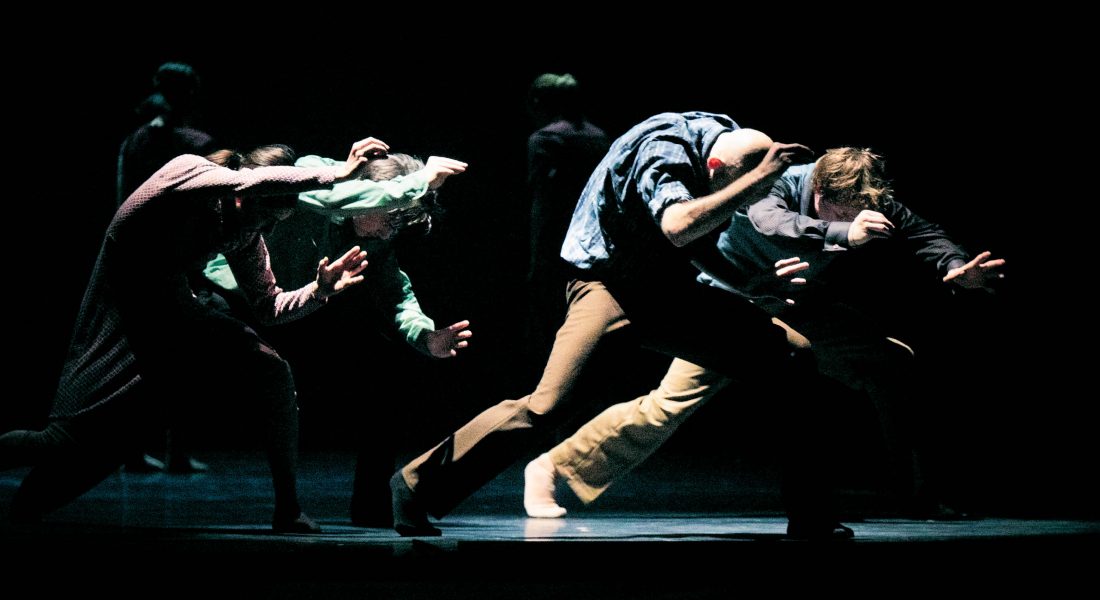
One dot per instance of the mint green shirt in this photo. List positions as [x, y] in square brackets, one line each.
[357, 196]
[385, 282]
[388, 286]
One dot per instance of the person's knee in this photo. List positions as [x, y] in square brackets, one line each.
[659, 410]
[523, 414]
[538, 404]
[273, 376]
[277, 369]
[25, 448]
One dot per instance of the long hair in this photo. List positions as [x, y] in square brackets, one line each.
[271, 155]
[853, 177]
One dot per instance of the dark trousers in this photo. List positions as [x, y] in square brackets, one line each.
[190, 356]
[850, 348]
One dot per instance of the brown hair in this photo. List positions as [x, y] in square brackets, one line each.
[230, 159]
[271, 155]
[852, 177]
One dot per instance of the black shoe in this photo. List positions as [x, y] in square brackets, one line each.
[187, 465]
[409, 519]
[144, 464]
[818, 531]
[301, 524]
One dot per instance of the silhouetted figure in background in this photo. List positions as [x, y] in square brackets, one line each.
[560, 157]
[166, 132]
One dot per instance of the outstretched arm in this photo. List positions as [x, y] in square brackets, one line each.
[203, 179]
[446, 342]
[358, 196]
[393, 293]
[979, 273]
[340, 274]
[197, 175]
[272, 305]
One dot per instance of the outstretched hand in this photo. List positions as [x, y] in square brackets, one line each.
[362, 151]
[340, 274]
[446, 342]
[438, 169]
[786, 268]
[979, 273]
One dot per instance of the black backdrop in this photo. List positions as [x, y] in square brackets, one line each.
[956, 124]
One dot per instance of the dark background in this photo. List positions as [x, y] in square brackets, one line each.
[955, 121]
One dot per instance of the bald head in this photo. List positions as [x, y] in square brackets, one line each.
[736, 153]
[740, 148]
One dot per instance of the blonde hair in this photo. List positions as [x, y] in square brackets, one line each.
[396, 165]
[852, 177]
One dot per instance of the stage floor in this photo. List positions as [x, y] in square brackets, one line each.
[659, 535]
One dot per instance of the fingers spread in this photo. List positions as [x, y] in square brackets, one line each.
[358, 269]
[785, 271]
[352, 281]
[458, 326]
[350, 253]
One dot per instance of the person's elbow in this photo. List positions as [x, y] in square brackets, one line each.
[677, 227]
[678, 236]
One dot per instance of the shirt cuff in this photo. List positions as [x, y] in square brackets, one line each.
[837, 233]
[955, 264]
